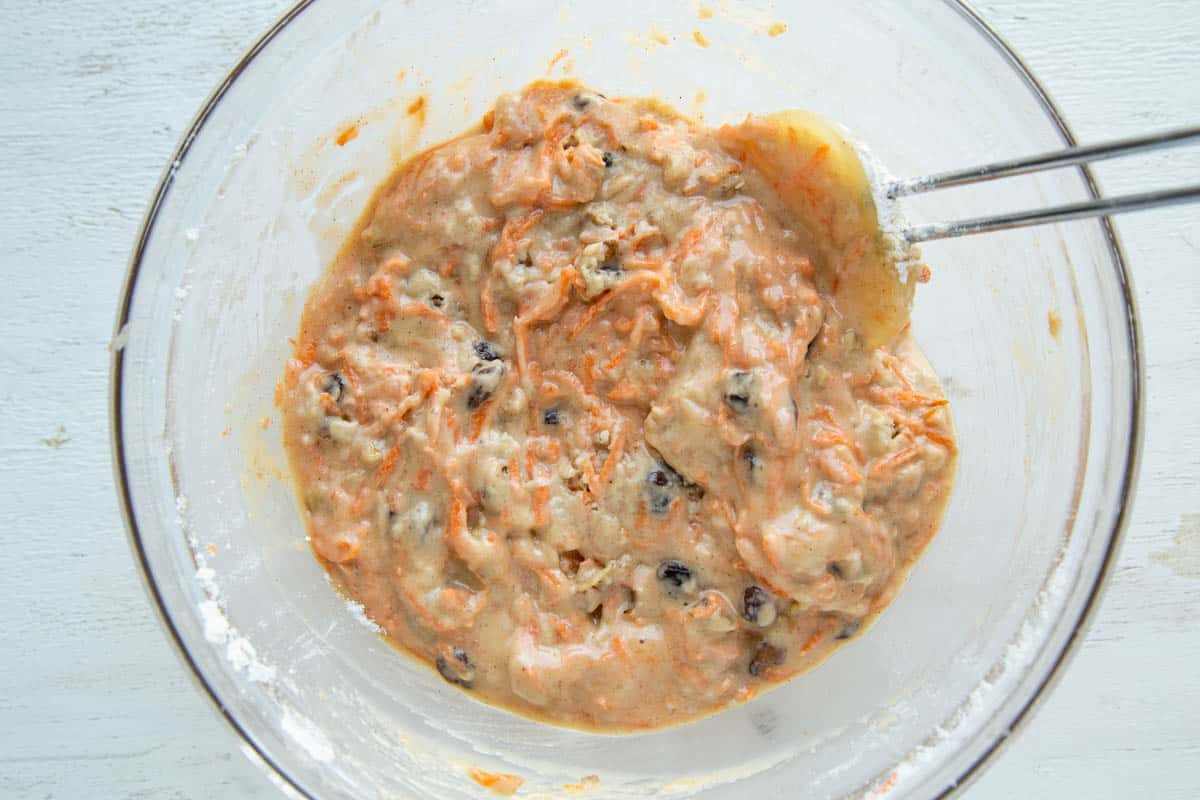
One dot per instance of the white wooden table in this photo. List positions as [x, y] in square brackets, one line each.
[94, 95]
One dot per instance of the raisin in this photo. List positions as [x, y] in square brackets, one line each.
[477, 397]
[437, 301]
[610, 266]
[334, 386]
[848, 630]
[485, 377]
[609, 160]
[750, 458]
[486, 352]
[738, 387]
[659, 491]
[676, 576]
[766, 655]
[758, 606]
[661, 484]
[457, 670]
[659, 503]
[551, 417]
[835, 569]
[739, 390]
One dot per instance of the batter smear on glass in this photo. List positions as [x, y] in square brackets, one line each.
[614, 419]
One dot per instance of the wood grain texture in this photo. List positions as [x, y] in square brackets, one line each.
[93, 702]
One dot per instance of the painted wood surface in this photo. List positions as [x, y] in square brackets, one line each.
[95, 94]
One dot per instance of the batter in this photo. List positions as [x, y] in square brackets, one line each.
[614, 419]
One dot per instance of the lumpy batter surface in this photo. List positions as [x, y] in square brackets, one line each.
[588, 416]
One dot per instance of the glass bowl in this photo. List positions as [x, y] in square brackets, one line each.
[1032, 331]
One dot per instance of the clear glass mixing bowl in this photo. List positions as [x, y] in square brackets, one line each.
[257, 201]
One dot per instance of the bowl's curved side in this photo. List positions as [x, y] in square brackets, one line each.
[116, 374]
[1133, 451]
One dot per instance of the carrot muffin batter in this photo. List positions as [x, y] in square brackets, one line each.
[614, 419]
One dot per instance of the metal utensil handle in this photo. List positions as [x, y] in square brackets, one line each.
[1020, 219]
[1043, 161]
[1051, 160]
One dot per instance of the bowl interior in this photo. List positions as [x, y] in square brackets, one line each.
[260, 201]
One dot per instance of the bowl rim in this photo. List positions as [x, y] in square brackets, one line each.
[1045, 684]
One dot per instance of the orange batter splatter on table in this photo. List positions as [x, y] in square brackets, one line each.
[502, 784]
[613, 419]
[586, 783]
